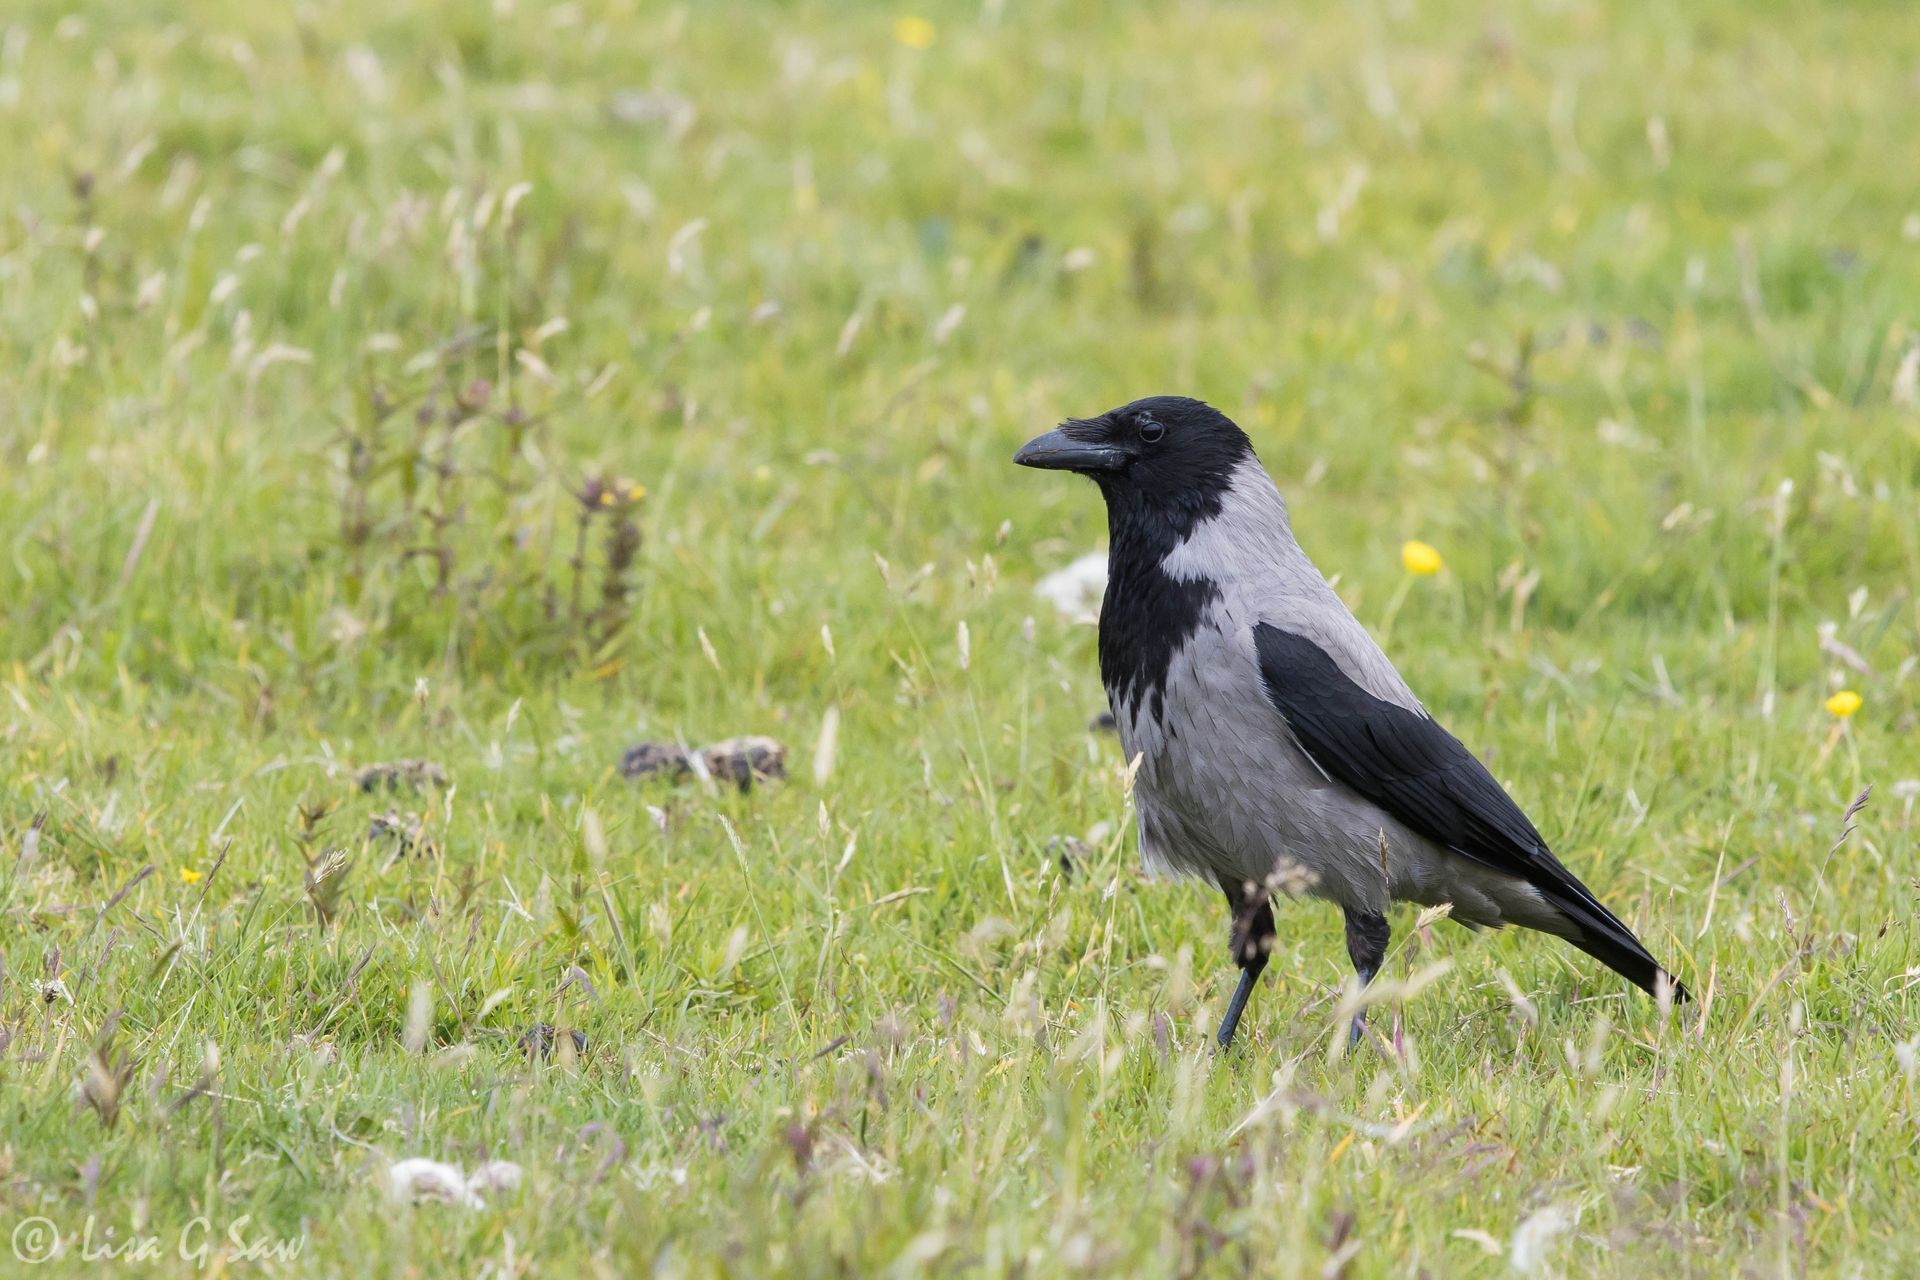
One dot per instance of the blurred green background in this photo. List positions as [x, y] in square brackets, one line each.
[501, 384]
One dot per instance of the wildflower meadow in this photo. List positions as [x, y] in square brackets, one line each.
[530, 745]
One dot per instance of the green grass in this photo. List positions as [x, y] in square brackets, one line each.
[1568, 290]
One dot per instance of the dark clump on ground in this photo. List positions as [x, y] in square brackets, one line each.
[396, 775]
[406, 831]
[746, 760]
[1069, 854]
[538, 1040]
[742, 761]
[649, 758]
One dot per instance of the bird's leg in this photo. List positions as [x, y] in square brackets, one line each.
[1367, 934]
[1252, 943]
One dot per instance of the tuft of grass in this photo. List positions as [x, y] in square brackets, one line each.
[337, 343]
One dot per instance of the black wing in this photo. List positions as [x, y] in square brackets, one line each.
[1404, 762]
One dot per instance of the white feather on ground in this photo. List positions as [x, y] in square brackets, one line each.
[1076, 590]
[417, 1180]
[1534, 1238]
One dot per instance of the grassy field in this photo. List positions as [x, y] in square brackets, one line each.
[500, 385]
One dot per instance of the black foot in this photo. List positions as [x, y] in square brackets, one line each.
[1367, 936]
[1237, 1006]
[1251, 943]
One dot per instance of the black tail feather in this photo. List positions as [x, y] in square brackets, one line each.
[1602, 936]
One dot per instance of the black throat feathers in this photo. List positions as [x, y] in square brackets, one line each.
[1148, 614]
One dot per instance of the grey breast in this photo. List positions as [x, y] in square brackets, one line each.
[1224, 792]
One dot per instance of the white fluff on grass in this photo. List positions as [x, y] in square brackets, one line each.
[417, 1180]
[1533, 1239]
[494, 1176]
[1076, 590]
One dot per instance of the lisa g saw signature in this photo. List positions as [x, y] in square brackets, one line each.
[199, 1241]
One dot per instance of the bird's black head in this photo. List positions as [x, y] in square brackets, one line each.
[1165, 455]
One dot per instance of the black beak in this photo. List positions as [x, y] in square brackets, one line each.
[1057, 451]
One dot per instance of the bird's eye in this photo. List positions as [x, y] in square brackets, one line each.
[1151, 431]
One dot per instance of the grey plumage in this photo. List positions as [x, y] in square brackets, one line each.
[1224, 788]
[1279, 748]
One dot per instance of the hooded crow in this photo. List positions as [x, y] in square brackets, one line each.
[1278, 748]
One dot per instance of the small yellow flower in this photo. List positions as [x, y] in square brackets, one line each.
[915, 33]
[607, 497]
[1420, 558]
[1844, 703]
[636, 492]
[189, 876]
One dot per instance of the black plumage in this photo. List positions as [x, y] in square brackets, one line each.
[1147, 615]
[1411, 767]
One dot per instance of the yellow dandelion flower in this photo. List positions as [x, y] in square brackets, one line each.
[915, 33]
[1844, 703]
[636, 492]
[189, 876]
[606, 498]
[1420, 558]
